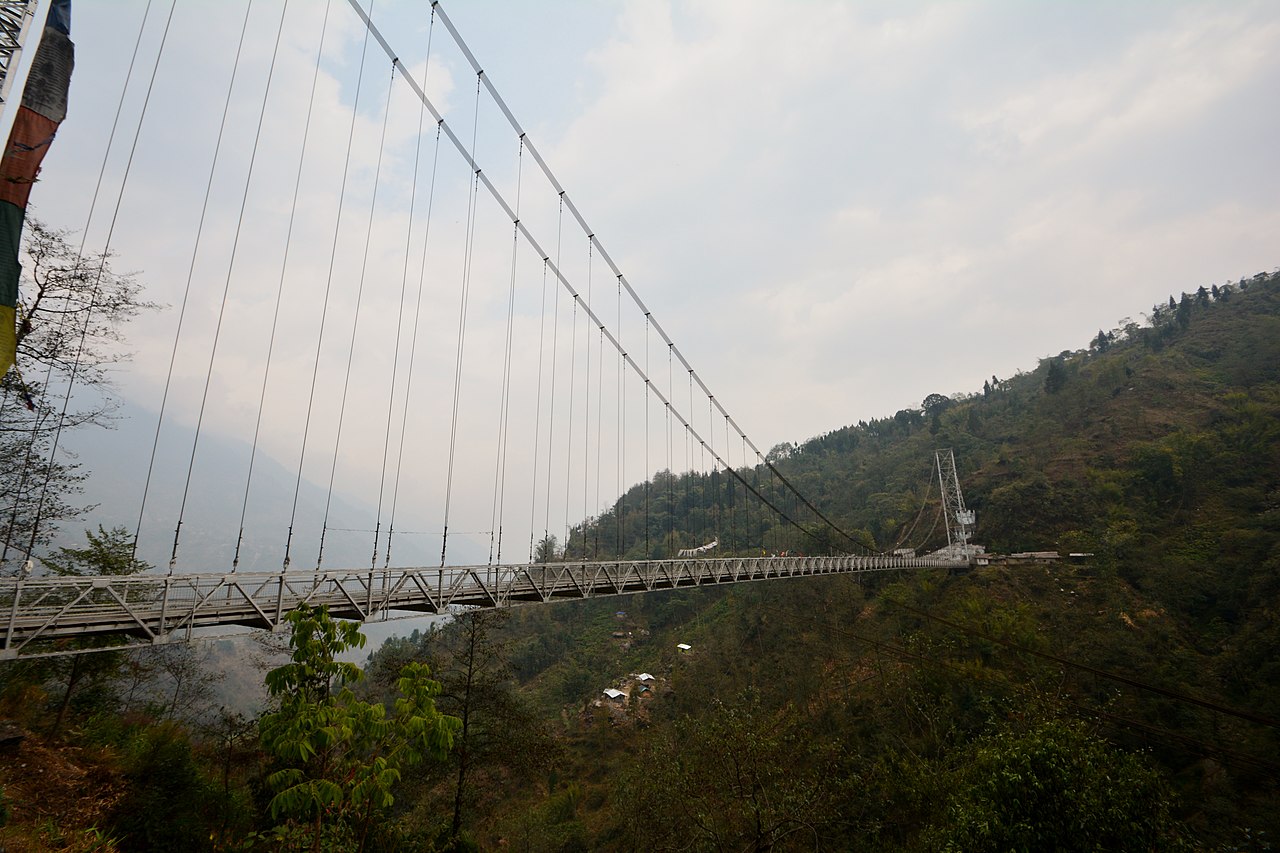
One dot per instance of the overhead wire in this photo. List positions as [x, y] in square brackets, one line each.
[688, 466]
[498, 100]
[395, 348]
[620, 506]
[93, 299]
[599, 433]
[410, 532]
[1218, 707]
[746, 505]
[648, 552]
[35, 527]
[568, 450]
[504, 410]
[1115, 719]
[422, 272]
[195, 251]
[791, 530]
[324, 309]
[586, 416]
[711, 433]
[551, 405]
[473, 200]
[1230, 755]
[355, 327]
[222, 307]
[622, 449]
[923, 503]
[733, 505]
[284, 265]
[537, 422]
[773, 487]
[671, 470]
[942, 509]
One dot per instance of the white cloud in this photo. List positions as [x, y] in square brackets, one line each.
[835, 209]
[1162, 83]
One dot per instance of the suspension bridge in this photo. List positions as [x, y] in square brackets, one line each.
[152, 610]
[423, 318]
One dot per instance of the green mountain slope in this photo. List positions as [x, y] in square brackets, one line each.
[1126, 701]
[1155, 450]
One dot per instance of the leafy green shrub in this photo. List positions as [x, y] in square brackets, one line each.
[1054, 787]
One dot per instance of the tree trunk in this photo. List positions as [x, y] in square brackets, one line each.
[77, 672]
[473, 628]
[462, 781]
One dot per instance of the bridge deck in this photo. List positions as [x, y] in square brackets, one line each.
[150, 609]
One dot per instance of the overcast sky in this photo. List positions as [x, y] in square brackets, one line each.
[833, 208]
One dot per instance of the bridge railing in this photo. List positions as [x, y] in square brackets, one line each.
[46, 615]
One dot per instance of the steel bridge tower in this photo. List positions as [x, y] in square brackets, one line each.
[960, 521]
[16, 17]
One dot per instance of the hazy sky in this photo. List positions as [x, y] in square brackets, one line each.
[834, 208]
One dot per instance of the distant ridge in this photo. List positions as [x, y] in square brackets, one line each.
[116, 460]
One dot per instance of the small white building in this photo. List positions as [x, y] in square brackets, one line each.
[684, 647]
[644, 677]
[614, 695]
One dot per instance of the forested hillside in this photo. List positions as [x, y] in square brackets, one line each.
[873, 716]
[1128, 701]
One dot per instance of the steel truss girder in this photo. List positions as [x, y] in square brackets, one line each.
[41, 614]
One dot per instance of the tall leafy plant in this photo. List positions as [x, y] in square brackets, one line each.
[339, 758]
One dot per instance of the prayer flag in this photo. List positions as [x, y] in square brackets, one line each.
[44, 106]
